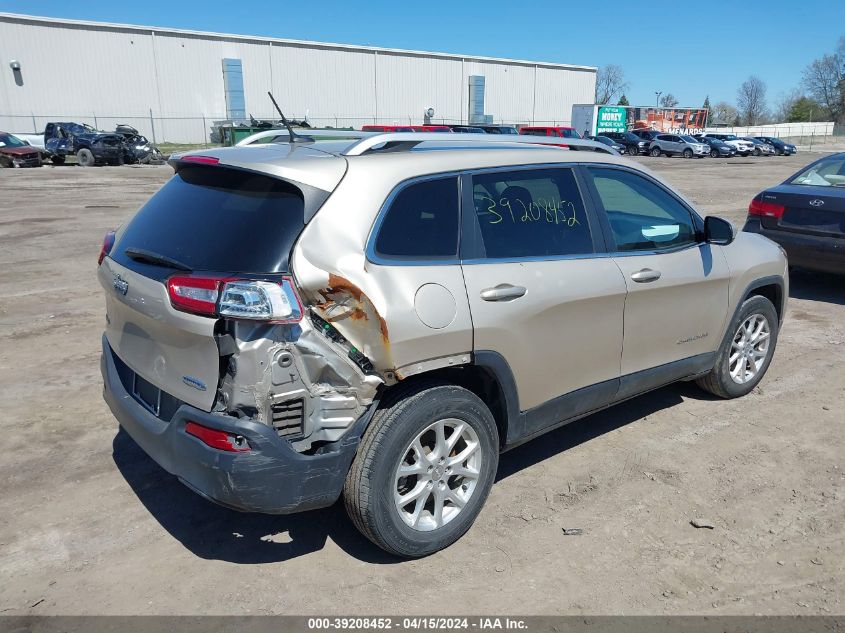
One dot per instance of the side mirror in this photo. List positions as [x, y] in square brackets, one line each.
[718, 231]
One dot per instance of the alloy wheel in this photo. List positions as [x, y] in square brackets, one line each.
[437, 474]
[749, 348]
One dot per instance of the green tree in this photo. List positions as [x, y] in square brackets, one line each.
[623, 101]
[706, 105]
[805, 109]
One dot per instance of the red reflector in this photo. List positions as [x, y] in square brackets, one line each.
[766, 209]
[205, 160]
[105, 249]
[218, 439]
[194, 294]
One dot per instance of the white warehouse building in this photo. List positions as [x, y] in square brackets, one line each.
[171, 83]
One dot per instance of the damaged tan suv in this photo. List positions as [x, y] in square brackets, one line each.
[380, 317]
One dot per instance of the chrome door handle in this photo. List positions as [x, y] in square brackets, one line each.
[502, 292]
[645, 275]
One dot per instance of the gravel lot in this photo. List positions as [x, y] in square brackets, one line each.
[90, 525]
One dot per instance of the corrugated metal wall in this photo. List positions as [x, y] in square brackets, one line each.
[170, 85]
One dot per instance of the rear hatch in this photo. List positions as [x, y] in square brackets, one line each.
[808, 209]
[206, 220]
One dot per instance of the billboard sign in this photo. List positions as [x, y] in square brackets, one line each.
[611, 119]
[669, 120]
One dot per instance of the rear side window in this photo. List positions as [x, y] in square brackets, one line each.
[531, 213]
[422, 221]
[216, 219]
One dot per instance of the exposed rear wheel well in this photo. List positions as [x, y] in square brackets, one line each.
[473, 378]
[772, 292]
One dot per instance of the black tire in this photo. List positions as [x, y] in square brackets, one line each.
[57, 160]
[719, 381]
[714, 153]
[633, 150]
[758, 152]
[688, 153]
[370, 484]
[655, 152]
[85, 158]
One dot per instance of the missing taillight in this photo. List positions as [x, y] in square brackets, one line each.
[105, 249]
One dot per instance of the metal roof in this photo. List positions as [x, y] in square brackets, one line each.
[17, 17]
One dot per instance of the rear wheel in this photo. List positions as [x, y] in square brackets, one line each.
[85, 157]
[746, 352]
[423, 470]
[688, 153]
[714, 153]
[655, 151]
[757, 152]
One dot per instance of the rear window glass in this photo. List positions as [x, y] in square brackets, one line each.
[215, 219]
[826, 173]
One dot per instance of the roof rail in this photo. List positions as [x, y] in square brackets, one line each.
[404, 141]
[314, 134]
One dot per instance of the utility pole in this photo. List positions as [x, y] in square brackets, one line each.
[657, 98]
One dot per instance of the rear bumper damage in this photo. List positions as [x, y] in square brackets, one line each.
[271, 477]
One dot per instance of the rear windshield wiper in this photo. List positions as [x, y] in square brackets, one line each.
[150, 257]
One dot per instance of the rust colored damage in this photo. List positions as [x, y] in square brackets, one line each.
[342, 292]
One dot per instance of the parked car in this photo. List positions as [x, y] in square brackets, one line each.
[674, 144]
[559, 131]
[17, 153]
[365, 348]
[467, 129]
[386, 128]
[499, 129]
[781, 147]
[761, 148]
[647, 135]
[90, 146]
[430, 128]
[137, 149]
[743, 147]
[805, 214]
[634, 145]
[718, 148]
[34, 139]
[609, 142]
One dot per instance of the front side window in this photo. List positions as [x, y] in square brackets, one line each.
[643, 216]
[531, 213]
[422, 221]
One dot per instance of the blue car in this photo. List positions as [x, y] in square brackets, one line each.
[806, 215]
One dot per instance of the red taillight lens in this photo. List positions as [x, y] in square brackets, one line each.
[194, 294]
[218, 439]
[258, 300]
[204, 160]
[766, 209]
[105, 249]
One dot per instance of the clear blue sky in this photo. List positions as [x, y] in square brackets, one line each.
[686, 48]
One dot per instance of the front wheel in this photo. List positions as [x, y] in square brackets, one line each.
[655, 152]
[746, 351]
[757, 152]
[714, 153]
[85, 157]
[423, 470]
[633, 150]
[688, 153]
[57, 160]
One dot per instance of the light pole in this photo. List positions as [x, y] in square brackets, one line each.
[657, 98]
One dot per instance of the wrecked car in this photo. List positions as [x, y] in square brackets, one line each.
[294, 321]
[15, 152]
[137, 150]
[90, 146]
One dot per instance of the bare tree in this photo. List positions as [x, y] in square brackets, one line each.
[610, 82]
[786, 101]
[723, 112]
[751, 100]
[824, 80]
[668, 101]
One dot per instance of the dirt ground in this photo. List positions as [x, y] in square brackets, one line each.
[90, 525]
